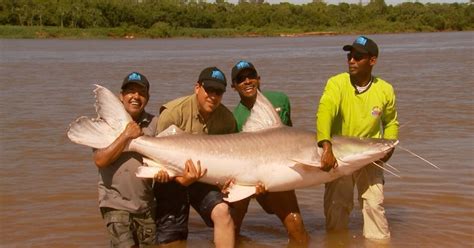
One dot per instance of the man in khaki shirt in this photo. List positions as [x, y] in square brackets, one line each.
[199, 113]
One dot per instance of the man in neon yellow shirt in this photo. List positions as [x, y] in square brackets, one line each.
[358, 104]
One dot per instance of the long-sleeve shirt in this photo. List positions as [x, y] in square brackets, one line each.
[344, 111]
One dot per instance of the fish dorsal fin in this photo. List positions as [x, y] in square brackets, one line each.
[171, 130]
[262, 116]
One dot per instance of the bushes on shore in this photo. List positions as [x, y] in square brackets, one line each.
[171, 18]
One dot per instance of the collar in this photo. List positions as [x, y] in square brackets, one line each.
[359, 89]
[145, 118]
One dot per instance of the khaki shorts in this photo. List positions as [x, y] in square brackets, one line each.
[127, 229]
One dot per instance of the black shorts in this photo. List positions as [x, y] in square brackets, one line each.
[172, 212]
[204, 197]
[279, 203]
[173, 201]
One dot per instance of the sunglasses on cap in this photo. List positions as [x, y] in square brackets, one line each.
[357, 56]
[243, 76]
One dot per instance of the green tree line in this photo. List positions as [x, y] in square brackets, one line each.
[163, 18]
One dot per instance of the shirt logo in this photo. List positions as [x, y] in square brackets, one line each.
[361, 40]
[217, 74]
[134, 76]
[376, 111]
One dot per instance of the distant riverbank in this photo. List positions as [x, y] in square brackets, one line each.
[45, 32]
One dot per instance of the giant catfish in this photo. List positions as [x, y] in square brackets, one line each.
[282, 158]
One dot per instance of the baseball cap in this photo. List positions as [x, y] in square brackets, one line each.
[363, 45]
[137, 78]
[240, 66]
[212, 77]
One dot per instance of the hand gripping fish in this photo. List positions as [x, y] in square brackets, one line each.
[281, 157]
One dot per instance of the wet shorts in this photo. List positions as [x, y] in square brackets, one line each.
[127, 229]
[279, 202]
[204, 197]
[173, 201]
[172, 212]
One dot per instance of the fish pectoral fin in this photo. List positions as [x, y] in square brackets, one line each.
[238, 192]
[147, 171]
[306, 162]
[171, 130]
[150, 171]
[152, 167]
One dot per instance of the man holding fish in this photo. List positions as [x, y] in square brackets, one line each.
[357, 104]
[126, 201]
[246, 82]
[199, 113]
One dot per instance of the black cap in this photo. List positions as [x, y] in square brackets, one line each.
[136, 78]
[240, 66]
[212, 77]
[363, 45]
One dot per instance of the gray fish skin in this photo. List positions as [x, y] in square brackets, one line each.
[282, 158]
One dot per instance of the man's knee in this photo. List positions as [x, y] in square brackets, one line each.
[296, 230]
[338, 207]
[294, 223]
[221, 213]
[337, 216]
[375, 203]
[373, 208]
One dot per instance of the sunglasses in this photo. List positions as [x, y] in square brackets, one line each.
[357, 56]
[243, 76]
[211, 90]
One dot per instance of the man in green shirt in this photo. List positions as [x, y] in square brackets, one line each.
[357, 104]
[246, 81]
[199, 113]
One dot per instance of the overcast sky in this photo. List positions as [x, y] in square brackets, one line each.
[390, 2]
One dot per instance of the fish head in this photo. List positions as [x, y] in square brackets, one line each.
[360, 151]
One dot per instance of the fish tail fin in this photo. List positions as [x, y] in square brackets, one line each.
[262, 116]
[100, 132]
